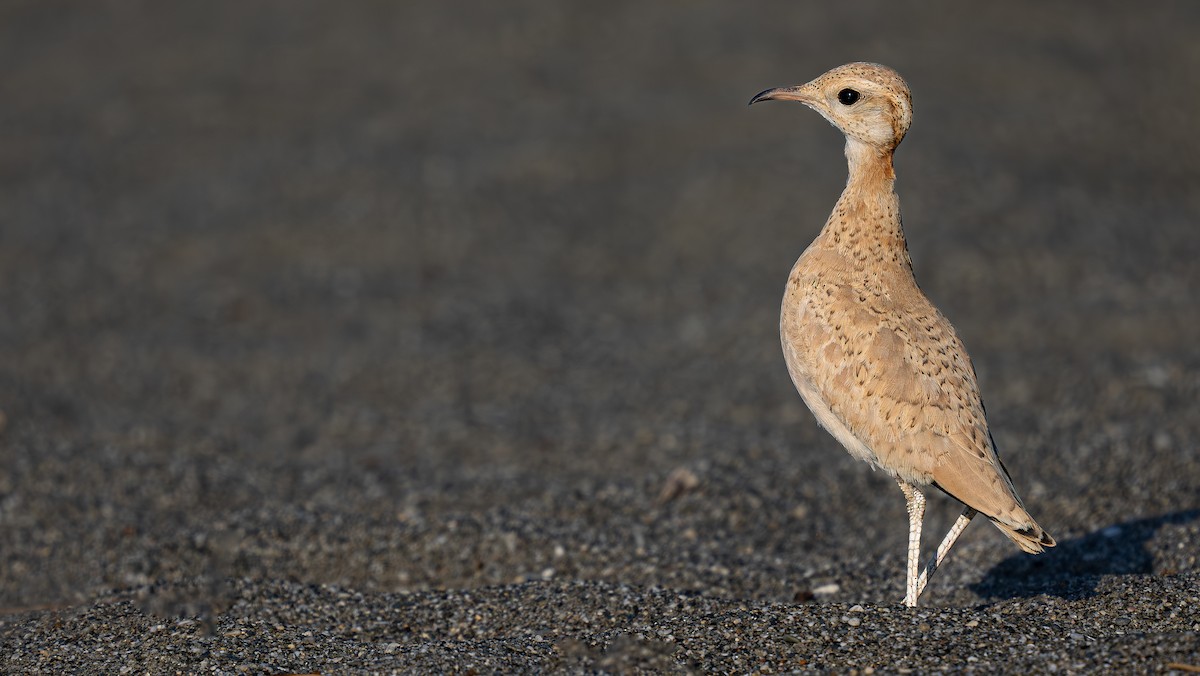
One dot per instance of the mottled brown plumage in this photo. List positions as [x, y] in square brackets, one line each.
[880, 367]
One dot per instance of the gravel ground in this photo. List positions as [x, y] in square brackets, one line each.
[442, 337]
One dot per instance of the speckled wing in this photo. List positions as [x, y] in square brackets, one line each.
[891, 370]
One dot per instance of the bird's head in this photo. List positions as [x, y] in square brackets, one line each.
[868, 102]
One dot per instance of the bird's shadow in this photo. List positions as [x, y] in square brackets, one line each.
[1073, 569]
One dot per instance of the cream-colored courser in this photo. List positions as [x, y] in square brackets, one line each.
[879, 366]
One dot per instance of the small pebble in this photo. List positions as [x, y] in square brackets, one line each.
[827, 589]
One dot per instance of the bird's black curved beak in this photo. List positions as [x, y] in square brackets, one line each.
[798, 93]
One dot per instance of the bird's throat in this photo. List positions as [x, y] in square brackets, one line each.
[865, 224]
[869, 165]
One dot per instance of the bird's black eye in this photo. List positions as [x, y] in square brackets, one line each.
[848, 97]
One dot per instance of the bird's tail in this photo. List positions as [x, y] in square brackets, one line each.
[1030, 538]
[1019, 526]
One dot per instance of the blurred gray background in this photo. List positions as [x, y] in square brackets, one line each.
[420, 296]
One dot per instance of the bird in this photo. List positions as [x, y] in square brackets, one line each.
[878, 365]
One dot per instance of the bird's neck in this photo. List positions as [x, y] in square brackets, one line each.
[865, 223]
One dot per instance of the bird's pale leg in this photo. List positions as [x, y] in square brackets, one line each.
[916, 514]
[943, 549]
